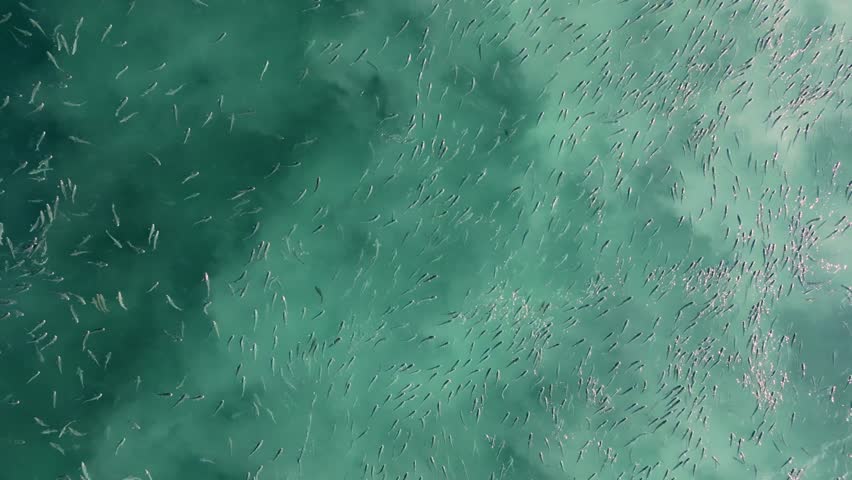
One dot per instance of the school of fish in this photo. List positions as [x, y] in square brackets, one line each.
[426, 239]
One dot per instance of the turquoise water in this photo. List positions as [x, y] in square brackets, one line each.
[466, 239]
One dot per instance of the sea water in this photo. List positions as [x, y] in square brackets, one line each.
[455, 239]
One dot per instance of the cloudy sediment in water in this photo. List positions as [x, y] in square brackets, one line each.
[462, 239]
